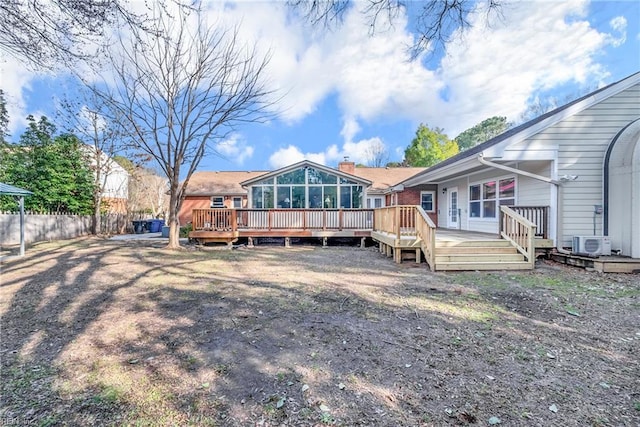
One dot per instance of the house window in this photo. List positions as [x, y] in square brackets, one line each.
[374, 202]
[237, 202]
[486, 197]
[426, 200]
[217, 202]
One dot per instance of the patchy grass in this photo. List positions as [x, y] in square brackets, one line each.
[96, 332]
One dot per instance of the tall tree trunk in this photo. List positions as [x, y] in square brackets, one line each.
[97, 217]
[174, 225]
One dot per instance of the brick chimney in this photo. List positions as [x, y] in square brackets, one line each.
[347, 167]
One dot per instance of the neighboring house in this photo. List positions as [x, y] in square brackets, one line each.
[581, 160]
[114, 180]
[306, 185]
[215, 190]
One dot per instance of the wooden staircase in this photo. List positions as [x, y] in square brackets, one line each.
[478, 255]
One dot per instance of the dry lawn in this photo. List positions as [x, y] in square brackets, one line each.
[98, 332]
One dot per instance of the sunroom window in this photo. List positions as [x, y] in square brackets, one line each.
[307, 188]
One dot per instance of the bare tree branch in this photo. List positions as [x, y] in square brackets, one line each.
[436, 20]
[184, 90]
[47, 34]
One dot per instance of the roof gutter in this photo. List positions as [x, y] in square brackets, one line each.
[517, 171]
[559, 247]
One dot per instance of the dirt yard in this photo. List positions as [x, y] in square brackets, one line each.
[97, 332]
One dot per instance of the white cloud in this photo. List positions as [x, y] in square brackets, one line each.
[496, 69]
[350, 129]
[16, 79]
[619, 24]
[235, 149]
[358, 152]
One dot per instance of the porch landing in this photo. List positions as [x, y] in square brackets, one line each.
[602, 264]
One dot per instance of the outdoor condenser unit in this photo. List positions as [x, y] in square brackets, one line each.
[591, 245]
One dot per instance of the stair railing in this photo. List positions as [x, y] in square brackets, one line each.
[520, 232]
[426, 232]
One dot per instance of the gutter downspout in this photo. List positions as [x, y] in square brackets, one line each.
[559, 247]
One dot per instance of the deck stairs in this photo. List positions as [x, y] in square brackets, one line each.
[494, 254]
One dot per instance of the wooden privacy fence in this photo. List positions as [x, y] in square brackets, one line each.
[58, 226]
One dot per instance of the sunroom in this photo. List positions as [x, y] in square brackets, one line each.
[306, 185]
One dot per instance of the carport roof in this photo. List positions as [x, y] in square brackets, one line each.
[10, 190]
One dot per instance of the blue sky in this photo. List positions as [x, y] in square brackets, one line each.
[342, 91]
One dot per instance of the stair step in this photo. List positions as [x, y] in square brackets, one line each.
[476, 250]
[472, 243]
[479, 257]
[472, 266]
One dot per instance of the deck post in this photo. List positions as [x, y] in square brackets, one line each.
[250, 242]
[324, 242]
[362, 242]
[380, 247]
[418, 256]
[287, 242]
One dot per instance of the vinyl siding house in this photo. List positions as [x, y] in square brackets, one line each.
[579, 164]
[114, 180]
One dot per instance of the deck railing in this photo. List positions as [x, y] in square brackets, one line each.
[539, 215]
[519, 231]
[409, 221]
[282, 219]
[397, 220]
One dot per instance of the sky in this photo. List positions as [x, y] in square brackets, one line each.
[341, 91]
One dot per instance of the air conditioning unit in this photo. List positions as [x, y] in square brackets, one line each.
[591, 245]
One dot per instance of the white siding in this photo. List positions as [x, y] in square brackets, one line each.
[582, 141]
[530, 191]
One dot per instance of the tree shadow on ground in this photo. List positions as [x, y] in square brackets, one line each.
[125, 333]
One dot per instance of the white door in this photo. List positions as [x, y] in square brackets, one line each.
[453, 219]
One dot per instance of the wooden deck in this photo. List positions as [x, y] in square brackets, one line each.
[401, 232]
[228, 225]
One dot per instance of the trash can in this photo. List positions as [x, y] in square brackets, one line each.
[156, 225]
[165, 231]
[148, 225]
[138, 227]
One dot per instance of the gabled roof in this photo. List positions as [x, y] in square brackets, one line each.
[385, 178]
[532, 127]
[219, 183]
[305, 163]
[10, 190]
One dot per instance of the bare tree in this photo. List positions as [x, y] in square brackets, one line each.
[48, 33]
[436, 20]
[87, 116]
[181, 90]
[148, 192]
[377, 155]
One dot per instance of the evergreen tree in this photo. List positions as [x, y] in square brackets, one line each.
[53, 168]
